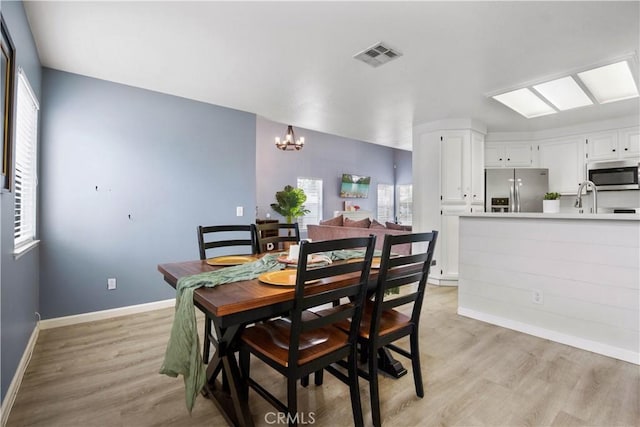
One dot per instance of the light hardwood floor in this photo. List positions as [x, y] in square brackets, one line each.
[105, 373]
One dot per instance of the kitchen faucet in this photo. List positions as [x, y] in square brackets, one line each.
[578, 203]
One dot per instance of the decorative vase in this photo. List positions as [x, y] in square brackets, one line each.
[551, 206]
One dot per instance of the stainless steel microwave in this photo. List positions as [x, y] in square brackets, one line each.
[615, 175]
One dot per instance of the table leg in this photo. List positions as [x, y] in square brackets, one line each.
[207, 339]
[229, 398]
[388, 364]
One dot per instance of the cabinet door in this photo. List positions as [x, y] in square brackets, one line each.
[518, 156]
[448, 242]
[494, 156]
[476, 186]
[452, 175]
[629, 142]
[566, 161]
[602, 146]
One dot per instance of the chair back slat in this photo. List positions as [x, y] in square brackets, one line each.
[390, 303]
[311, 301]
[353, 295]
[406, 260]
[224, 238]
[224, 243]
[335, 270]
[330, 319]
[231, 227]
[401, 280]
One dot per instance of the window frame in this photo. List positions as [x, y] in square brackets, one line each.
[403, 219]
[25, 205]
[390, 208]
[301, 220]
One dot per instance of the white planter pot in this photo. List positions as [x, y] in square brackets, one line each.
[551, 206]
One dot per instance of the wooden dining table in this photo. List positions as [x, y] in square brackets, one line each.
[232, 306]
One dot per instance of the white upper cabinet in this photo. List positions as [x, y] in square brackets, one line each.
[510, 155]
[565, 159]
[462, 166]
[629, 142]
[602, 146]
[614, 145]
[494, 155]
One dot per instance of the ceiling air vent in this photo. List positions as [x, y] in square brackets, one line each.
[377, 54]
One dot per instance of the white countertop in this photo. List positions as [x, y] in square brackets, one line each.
[567, 215]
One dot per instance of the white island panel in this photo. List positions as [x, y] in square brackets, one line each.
[585, 272]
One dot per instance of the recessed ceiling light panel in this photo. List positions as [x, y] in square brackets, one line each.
[610, 83]
[525, 102]
[564, 93]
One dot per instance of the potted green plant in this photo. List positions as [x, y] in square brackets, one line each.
[551, 203]
[290, 203]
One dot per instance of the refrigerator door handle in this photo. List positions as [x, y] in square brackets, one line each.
[512, 195]
[516, 185]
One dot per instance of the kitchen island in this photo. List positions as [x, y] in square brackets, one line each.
[569, 278]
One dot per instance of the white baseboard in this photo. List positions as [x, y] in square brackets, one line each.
[12, 391]
[573, 341]
[442, 282]
[105, 314]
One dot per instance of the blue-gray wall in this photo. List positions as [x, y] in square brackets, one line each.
[402, 161]
[168, 162]
[324, 157]
[18, 278]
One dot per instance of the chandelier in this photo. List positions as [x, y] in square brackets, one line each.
[290, 142]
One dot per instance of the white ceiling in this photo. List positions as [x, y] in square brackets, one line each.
[291, 62]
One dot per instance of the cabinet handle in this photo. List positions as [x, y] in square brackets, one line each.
[465, 195]
[614, 150]
[500, 159]
[508, 160]
[626, 149]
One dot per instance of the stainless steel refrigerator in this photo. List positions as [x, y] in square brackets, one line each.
[515, 190]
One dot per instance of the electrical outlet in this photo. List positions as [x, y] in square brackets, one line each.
[537, 296]
[239, 211]
[111, 283]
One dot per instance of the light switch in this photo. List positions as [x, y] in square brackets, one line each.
[239, 211]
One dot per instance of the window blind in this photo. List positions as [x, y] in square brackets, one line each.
[25, 179]
[313, 189]
[385, 203]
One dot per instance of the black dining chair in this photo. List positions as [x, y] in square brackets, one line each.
[402, 281]
[222, 236]
[302, 343]
[271, 236]
[214, 237]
